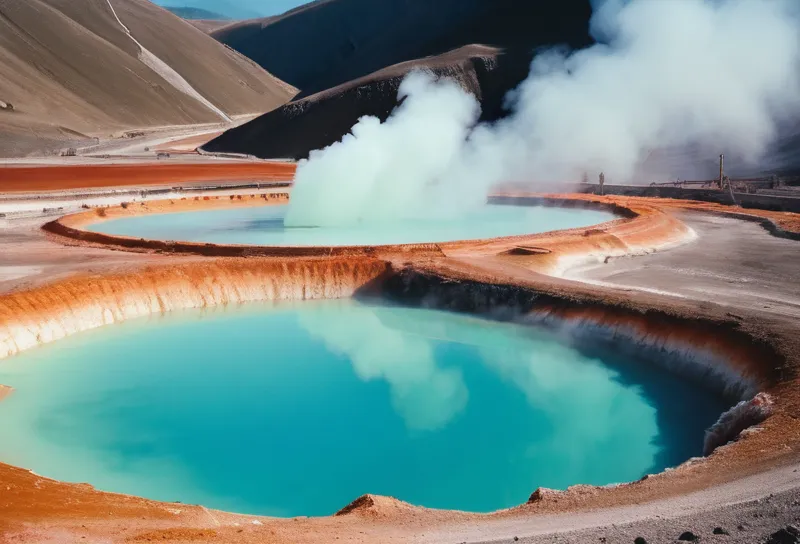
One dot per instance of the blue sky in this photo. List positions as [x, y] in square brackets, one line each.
[237, 8]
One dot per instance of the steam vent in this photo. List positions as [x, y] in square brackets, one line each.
[399, 271]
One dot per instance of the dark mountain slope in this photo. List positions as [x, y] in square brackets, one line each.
[207, 25]
[295, 129]
[329, 42]
[355, 53]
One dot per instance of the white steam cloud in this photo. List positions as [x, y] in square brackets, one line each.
[718, 74]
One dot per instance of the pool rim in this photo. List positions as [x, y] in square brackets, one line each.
[533, 321]
[552, 302]
[611, 237]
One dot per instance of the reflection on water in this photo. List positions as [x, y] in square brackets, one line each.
[299, 408]
[264, 226]
[388, 343]
[424, 394]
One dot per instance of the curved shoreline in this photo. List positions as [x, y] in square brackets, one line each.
[640, 230]
[48, 313]
[761, 351]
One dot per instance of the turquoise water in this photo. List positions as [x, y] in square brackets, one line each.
[297, 409]
[263, 225]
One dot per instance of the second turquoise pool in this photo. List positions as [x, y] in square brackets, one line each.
[297, 409]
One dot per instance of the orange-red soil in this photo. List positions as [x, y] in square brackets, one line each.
[59, 178]
[174, 205]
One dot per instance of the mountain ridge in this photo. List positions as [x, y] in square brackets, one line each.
[191, 13]
[347, 68]
[79, 74]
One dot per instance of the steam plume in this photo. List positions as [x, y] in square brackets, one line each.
[719, 74]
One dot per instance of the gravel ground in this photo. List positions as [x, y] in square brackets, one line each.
[747, 523]
[732, 262]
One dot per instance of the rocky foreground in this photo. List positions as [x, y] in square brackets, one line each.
[773, 520]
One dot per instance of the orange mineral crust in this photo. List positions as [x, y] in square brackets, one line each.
[15, 178]
[174, 205]
[643, 228]
[645, 225]
[787, 221]
[760, 351]
[45, 314]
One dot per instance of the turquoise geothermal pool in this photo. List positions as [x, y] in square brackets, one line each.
[299, 408]
[263, 225]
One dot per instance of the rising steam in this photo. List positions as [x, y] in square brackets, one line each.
[714, 74]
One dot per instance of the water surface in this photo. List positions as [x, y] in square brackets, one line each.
[263, 225]
[297, 409]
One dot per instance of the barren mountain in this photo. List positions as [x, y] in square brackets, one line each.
[486, 45]
[72, 70]
[208, 25]
[190, 13]
[317, 121]
[229, 9]
[205, 20]
[329, 42]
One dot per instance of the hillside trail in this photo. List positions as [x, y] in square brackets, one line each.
[167, 72]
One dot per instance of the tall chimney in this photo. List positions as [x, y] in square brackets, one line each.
[721, 169]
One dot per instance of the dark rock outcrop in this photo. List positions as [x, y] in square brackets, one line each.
[730, 425]
[364, 502]
[297, 128]
[789, 535]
